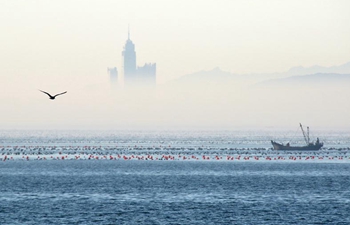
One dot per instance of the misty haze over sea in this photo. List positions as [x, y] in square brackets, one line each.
[174, 112]
[217, 65]
[214, 98]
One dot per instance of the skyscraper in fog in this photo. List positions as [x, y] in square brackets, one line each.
[129, 55]
[139, 76]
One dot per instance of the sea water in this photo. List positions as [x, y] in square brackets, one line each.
[255, 186]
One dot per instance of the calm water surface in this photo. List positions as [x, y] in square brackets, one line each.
[173, 192]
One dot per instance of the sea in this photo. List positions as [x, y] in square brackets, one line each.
[172, 177]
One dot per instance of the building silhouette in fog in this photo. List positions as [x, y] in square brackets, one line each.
[136, 75]
[113, 75]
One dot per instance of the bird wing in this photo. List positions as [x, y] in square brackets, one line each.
[46, 93]
[60, 94]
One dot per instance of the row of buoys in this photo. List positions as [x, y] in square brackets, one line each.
[173, 157]
[136, 147]
[160, 152]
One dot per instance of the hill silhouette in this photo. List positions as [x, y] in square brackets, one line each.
[323, 79]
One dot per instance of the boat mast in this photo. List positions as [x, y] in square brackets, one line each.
[306, 136]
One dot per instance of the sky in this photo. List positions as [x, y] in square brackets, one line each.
[63, 45]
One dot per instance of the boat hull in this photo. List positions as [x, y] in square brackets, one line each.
[310, 147]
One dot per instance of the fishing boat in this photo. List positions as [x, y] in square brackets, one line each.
[310, 146]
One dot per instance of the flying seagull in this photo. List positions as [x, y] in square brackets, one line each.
[53, 97]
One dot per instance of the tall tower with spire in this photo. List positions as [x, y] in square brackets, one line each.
[133, 75]
[129, 55]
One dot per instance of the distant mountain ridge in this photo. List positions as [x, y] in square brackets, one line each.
[311, 79]
[300, 70]
[314, 74]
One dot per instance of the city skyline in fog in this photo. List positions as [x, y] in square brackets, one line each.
[68, 45]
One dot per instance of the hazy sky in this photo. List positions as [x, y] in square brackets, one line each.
[248, 36]
[60, 44]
